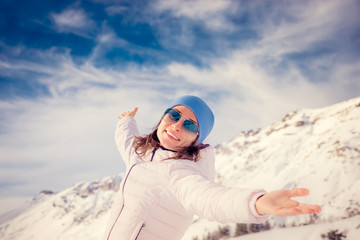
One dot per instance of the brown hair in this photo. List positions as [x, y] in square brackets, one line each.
[144, 144]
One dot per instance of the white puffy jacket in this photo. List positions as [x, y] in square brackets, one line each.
[158, 198]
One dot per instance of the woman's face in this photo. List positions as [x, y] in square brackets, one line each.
[172, 134]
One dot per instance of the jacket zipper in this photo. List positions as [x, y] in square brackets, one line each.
[137, 235]
[153, 153]
[123, 204]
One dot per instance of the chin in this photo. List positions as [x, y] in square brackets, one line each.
[169, 146]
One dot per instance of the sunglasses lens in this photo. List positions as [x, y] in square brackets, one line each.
[191, 126]
[174, 115]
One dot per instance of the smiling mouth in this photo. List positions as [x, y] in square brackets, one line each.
[172, 135]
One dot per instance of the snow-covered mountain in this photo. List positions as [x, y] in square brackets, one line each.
[318, 149]
[314, 148]
[79, 212]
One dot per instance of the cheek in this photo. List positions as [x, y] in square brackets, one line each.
[161, 129]
[191, 140]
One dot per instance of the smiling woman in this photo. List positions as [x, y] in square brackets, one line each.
[170, 178]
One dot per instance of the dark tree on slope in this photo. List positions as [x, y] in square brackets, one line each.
[334, 235]
[241, 229]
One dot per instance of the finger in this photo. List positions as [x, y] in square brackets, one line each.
[122, 115]
[309, 208]
[283, 212]
[133, 112]
[299, 192]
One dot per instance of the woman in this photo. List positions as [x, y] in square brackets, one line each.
[170, 178]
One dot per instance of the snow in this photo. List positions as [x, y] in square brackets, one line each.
[79, 212]
[350, 226]
[314, 148]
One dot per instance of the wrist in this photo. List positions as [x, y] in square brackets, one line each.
[258, 204]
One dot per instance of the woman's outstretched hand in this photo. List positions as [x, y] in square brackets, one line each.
[279, 203]
[128, 113]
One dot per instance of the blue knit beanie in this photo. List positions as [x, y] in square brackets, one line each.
[202, 112]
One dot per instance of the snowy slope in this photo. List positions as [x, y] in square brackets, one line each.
[318, 149]
[350, 228]
[79, 212]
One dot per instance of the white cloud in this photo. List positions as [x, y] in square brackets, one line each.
[72, 20]
[313, 23]
[212, 15]
[68, 137]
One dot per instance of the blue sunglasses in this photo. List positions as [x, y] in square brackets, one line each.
[189, 125]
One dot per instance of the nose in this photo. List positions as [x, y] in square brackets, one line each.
[178, 125]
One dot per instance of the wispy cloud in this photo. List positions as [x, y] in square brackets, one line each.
[211, 15]
[72, 21]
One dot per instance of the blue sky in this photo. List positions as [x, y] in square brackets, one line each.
[68, 68]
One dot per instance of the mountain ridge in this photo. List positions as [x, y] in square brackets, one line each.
[323, 145]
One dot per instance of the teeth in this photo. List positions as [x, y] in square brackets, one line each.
[172, 135]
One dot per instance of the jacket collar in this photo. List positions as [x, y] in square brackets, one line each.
[159, 154]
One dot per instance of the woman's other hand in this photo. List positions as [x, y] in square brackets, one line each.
[279, 203]
[128, 113]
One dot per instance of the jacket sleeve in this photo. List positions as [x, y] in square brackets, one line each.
[206, 162]
[210, 200]
[126, 130]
